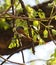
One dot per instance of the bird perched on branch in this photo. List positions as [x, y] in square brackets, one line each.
[25, 39]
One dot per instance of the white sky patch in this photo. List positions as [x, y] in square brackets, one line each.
[41, 52]
[33, 2]
[29, 2]
[41, 1]
[1, 2]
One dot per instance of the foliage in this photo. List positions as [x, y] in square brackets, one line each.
[31, 12]
[3, 24]
[32, 15]
[53, 31]
[52, 61]
[35, 18]
[40, 13]
[55, 1]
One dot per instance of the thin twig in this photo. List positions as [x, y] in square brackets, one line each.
[51, 14]
[37, 60]
[26, 13]
[20, 43]
[11, 61]
[3, 13]
[25, 17]
[51, 37]
[26, 62]
[7, 59]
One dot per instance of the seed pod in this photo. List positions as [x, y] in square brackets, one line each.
[45, 33]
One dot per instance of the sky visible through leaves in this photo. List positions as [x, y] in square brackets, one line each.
[42, 51]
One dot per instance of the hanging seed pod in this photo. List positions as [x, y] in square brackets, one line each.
[45, 33]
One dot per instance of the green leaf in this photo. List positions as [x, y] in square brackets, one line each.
[7, 2]
[31, 12]
[41, 14]
[41, 41]
[55, 1]
[4, 24]
[55, 17]
[54, 54]
[45, 33]
[35, 22]
[53, 31]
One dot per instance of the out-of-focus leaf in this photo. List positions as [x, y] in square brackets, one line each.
[55, 17]
[52, 61]
[3, 24]
[14, 43]
[48, 63]
[55, 1]
[7, 2]
[53, 31]
[18, 9]
[37, 1]
[35, 22]
[54, 54]
[45, 33]
[31, 12]
[41, 14]
[41, 41]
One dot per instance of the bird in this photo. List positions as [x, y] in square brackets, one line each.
[25, 39]
[20, 30]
